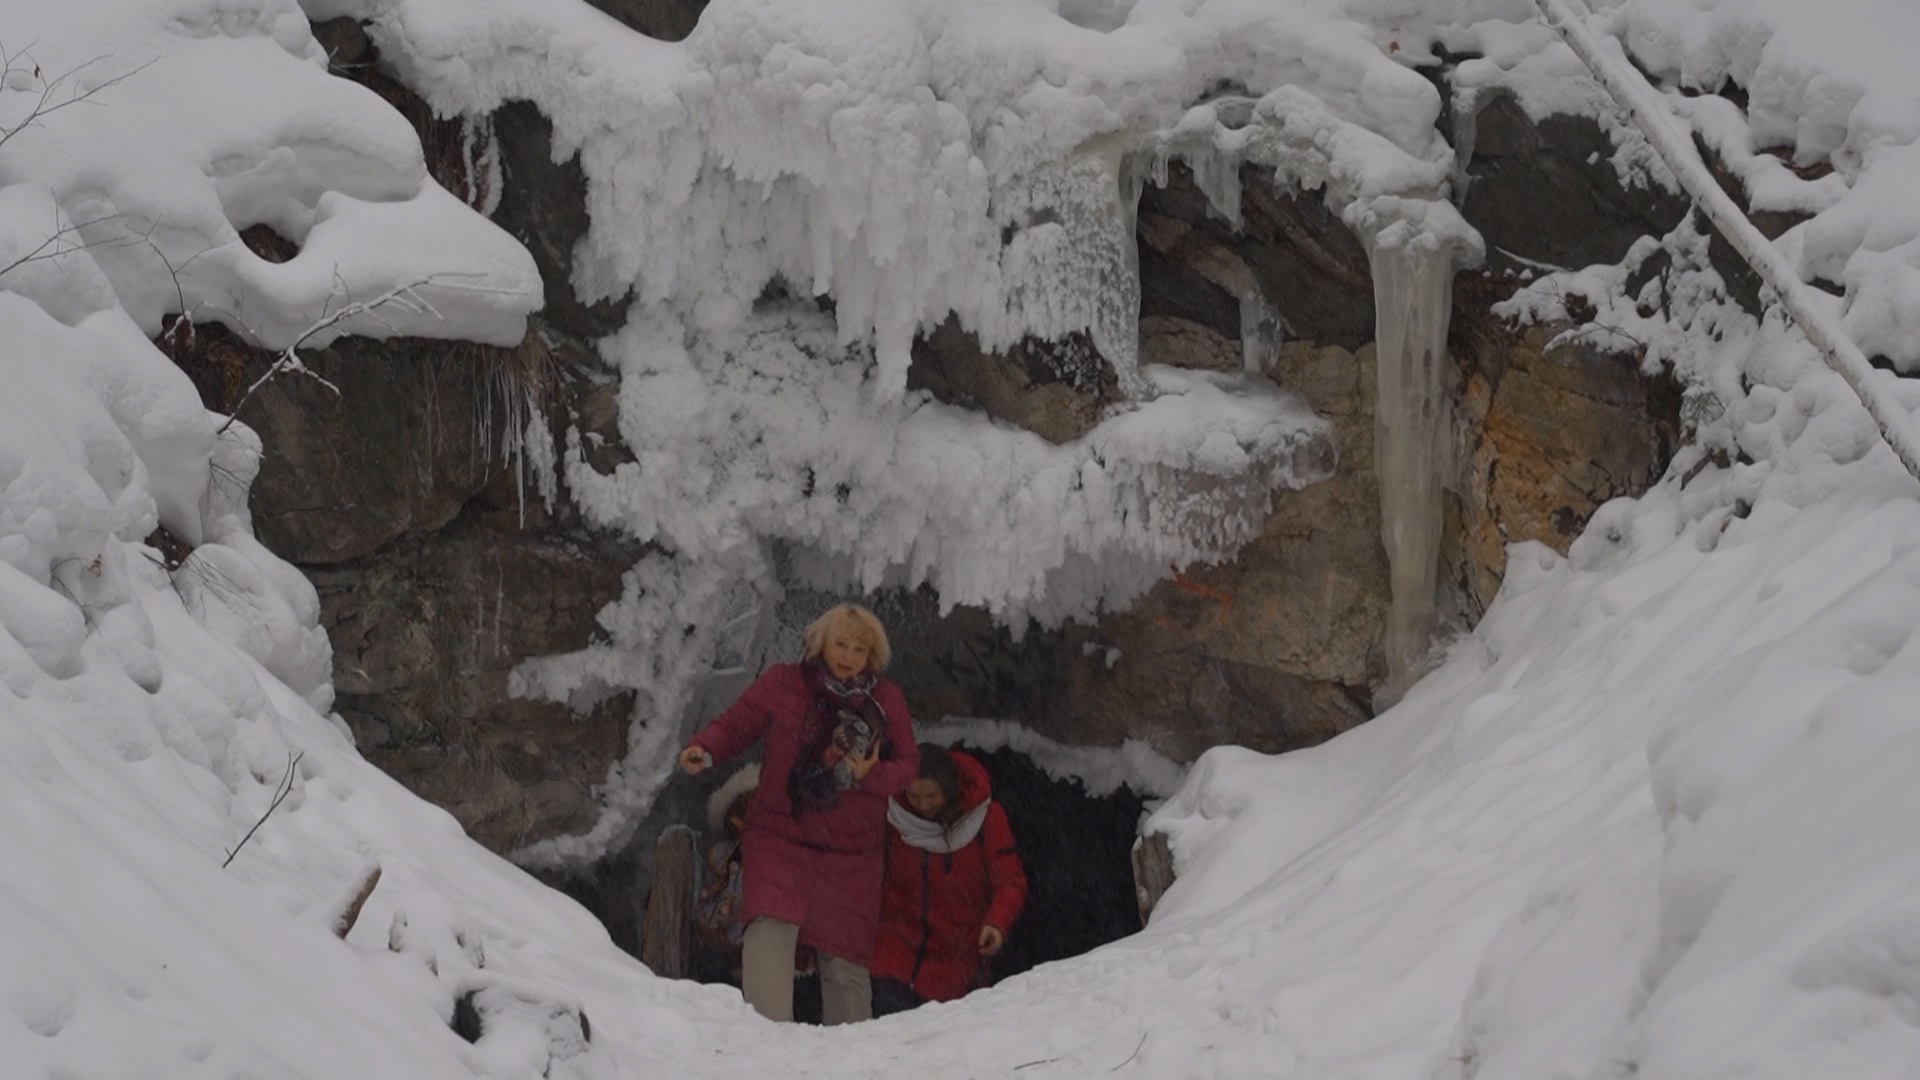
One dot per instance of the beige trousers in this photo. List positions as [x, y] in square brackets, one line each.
[766, 976]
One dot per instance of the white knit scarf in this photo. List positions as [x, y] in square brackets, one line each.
[928, 835]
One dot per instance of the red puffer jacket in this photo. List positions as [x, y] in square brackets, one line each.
[934, 904]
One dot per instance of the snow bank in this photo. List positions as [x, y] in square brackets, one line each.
[1827, 85]
[200, 118]
[150, 714]
[147, 718]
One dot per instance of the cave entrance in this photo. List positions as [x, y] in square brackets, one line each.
[1077, 851]
[1074, 845]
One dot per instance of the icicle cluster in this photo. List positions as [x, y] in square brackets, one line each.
[1415, 241]
[905, 160]
[1413, 257]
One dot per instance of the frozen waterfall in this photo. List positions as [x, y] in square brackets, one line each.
[1414, 248]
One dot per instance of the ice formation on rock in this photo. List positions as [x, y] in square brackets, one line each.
[773, 433]
[1415, 241]
[1262, 331]
[1413, 269]
[913, 161]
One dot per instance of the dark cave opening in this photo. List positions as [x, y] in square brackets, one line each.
[1075, 848]
[1077, 852]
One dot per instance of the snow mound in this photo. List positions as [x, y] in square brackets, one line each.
[149, 718]
[182, 122]
[1830, 127]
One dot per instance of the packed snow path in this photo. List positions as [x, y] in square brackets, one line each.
[1653, 818]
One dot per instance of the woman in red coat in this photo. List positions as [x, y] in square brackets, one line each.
[954, 884]
[839, 745]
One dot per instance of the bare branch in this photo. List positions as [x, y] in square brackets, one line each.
[50, 100]
[42, 253]
[405, 297]
[1822, 327]
[280, 794]
[180, 335]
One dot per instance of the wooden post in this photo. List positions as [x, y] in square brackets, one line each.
[343, 922]
[1152, 872]
[666, 935]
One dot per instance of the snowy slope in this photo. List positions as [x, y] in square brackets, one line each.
[1653, 818]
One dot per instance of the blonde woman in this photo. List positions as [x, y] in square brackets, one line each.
[839, 745]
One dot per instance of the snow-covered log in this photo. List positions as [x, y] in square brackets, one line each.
[1820, 325]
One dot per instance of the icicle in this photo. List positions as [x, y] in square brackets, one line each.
[1261, 334]
[1413, 249]
[1216, 172]
[480, 164]
[1115, 325]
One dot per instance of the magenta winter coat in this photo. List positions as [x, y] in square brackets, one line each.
[821, 871]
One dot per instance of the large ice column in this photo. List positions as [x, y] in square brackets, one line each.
[1414, 248]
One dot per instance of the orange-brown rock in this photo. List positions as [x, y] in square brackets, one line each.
[1554, 432]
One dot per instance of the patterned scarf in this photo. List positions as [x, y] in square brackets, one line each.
[843, 720]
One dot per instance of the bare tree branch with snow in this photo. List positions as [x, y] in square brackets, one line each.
[20, 72]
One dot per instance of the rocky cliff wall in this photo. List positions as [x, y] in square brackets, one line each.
[439, 571]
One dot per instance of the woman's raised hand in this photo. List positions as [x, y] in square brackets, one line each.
[990, 940]
[863, 764]
[695, 759]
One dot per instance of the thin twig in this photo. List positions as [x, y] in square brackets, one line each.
[40, 253]
[49, 88]
[406, 297]
[1136, 1053]
[280, 794]
[174, 272]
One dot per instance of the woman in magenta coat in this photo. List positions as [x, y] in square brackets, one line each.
[839, 745]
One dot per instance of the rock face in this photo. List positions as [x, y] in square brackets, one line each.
[437, 577]
[1277, 649]
[1281, 648]
[668, 20]
[437, 572]
[1056, 390]
[1545, 429]
[404, 500]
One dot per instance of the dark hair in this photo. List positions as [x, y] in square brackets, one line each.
[937, 765]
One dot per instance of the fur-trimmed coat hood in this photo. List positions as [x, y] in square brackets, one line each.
[744, 780]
